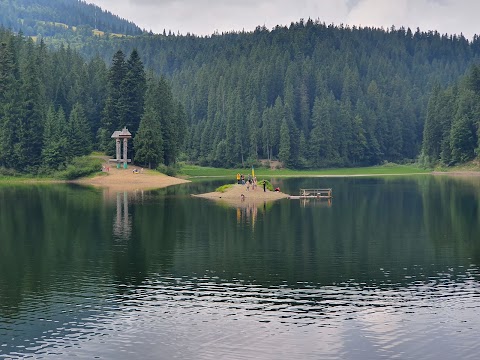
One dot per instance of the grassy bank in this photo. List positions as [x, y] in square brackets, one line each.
[79, 167]
[24, 179]
[473, 166]
[390, 169]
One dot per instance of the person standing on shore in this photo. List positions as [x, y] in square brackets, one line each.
[264, 186]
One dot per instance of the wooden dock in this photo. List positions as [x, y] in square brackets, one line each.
[313, 194]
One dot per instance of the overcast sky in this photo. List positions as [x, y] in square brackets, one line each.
[203, 17]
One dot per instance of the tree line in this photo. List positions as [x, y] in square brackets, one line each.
[54, 107]
[309, 95]
[452, 126]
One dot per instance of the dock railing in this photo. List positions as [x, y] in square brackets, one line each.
[322, 193]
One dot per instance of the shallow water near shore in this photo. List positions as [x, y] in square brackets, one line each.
[389, 268]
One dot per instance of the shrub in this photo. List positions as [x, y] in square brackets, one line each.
[171, 170]
[223, 188]
[81, 167]
[8, 172]
[269, 184]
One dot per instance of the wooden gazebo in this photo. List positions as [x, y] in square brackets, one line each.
[118, 136]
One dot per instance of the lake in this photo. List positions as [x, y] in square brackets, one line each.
[388, 269]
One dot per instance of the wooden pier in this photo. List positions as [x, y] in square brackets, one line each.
[314, 194]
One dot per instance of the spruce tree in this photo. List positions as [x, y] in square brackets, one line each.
[253, 131]
[78, 133]
[463, 135]
[358, 142]
[28, 149]
[114, 113]
[320, 145]
[148, 143]
[166, 111]
[432, 131]
[54, 152]
[462, 139]
[180, 128]
[284, 152]
[133, 91]
[9, 103]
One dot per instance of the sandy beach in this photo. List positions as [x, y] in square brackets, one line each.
[233, 196]
[127, 180]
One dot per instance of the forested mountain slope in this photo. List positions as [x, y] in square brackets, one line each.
[310, 95]
[452, 127]
[54, 17]
[55, 107]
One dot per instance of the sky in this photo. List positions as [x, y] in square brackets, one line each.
[204, 17]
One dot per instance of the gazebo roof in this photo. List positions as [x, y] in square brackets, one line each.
[124, 134]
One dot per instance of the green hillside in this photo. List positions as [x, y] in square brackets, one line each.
[56, 108]
[49, 18]
[310, 95]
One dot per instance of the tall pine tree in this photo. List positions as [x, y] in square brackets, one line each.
[148, 142]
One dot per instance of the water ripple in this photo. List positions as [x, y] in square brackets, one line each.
[207, 316]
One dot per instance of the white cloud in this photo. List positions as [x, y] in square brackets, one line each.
[442, 15]
[203, 17]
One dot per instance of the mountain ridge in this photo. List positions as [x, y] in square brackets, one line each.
[308, 94]
[38, 17]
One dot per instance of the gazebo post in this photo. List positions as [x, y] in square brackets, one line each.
[118, 136]
[125, 147]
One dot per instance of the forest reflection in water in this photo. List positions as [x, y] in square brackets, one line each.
[389, 267]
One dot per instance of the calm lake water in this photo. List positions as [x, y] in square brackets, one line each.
[389, 269]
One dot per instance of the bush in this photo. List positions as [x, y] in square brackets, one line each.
[223, 188]
[81, 167]
[269, 184]
[171, 170]
[8, 172]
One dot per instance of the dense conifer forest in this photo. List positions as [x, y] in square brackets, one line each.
[452, 127]
[310, 95]
[54, 107]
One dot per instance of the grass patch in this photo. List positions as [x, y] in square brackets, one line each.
[389, 169]
[97, 154]
[171, 170]
[10, 176]
[269, 185]
[223, 188]
[80, 167]
[24, 179]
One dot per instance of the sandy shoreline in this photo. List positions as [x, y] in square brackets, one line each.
[233, 196]
[127, 180]
[457, 173]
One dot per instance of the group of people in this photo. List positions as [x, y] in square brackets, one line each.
[248, 181]
[252, 181]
